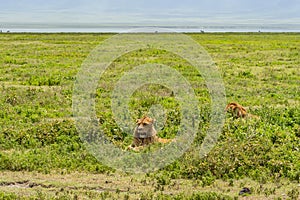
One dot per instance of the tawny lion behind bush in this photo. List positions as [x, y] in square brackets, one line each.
[238, 111]
[145, 134]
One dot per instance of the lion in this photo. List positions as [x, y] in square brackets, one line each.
[145, 134]
[238, 111]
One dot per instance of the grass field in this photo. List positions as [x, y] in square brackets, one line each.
[42, 156]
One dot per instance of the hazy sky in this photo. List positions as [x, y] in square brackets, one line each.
[155, 12]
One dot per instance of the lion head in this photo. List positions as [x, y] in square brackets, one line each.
[145, 128]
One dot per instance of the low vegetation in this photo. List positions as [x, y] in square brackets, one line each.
[259, 70]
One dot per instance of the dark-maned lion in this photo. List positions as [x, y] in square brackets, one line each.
[145, 134]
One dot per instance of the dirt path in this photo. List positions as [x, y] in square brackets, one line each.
[120, 186]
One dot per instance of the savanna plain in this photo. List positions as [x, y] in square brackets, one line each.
[43, 157]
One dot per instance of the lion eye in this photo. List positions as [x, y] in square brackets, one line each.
[144, 124]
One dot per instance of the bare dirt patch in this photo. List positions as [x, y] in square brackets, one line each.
[84, 186]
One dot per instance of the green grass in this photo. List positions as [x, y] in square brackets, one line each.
[260, 71]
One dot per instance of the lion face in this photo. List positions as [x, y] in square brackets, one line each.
[145, 128]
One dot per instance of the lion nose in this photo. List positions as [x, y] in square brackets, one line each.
[140, 128]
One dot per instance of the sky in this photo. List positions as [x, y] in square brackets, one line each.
[150, 12]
